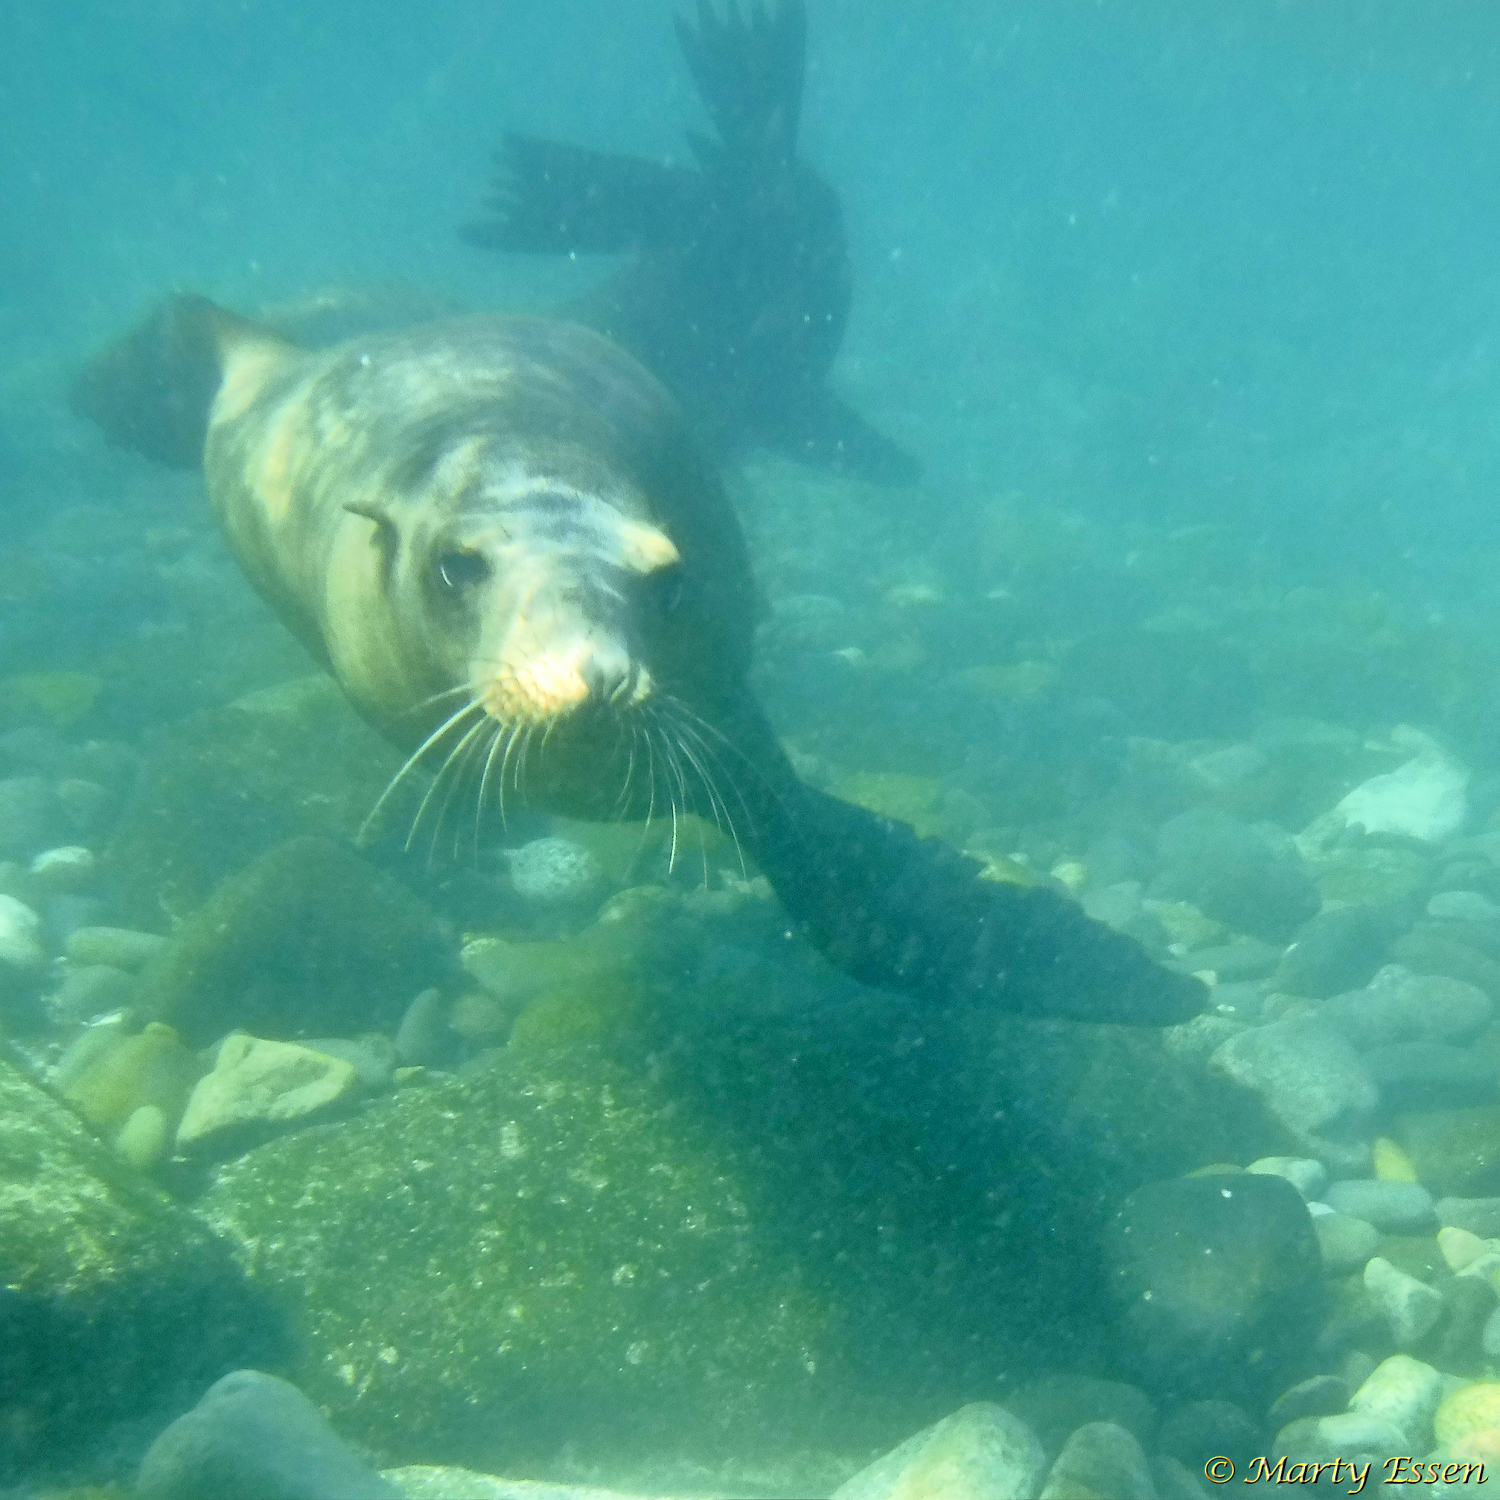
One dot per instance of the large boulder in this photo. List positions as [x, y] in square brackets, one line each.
[796, 1217]
[114, 1303]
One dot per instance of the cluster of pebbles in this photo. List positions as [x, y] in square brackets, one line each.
[55, 808]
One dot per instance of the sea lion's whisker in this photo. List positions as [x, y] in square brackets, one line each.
[521, 762]
[715, 802]
[463, 753]
[689, 722]
[471, 688]
[689, 804]
[671, 801]
[437, 781]
[484, 782]
[758, 771]
[411, 762]
[679, 750]
[513, 733]
[715, 798]
[650, 782]
[635, 739]
[677, 791]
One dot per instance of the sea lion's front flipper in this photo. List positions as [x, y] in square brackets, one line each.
[550, 198]
[818, 428]
[912, 915]
[154, 390]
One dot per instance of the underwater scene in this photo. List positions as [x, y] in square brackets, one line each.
[749, 748]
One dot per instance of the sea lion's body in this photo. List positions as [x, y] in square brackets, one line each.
[492, 527]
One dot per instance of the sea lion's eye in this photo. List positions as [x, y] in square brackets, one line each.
[460, 570]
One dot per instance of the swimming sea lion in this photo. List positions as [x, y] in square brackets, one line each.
[739, 294]
[503, 541]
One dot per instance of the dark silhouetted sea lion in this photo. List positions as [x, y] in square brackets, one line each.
[739, 292]
[501, 537]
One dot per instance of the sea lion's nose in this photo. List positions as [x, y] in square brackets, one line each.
[611, 675]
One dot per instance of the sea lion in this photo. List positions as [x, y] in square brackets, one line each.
[501, 538]
[739, 294]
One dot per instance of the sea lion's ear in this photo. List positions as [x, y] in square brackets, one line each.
[372, 510]
[154, 390]
[386, 537]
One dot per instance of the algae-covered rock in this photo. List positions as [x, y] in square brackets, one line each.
[63, 699]
[492, 1266]
[577, 1013]
[1100, 1460]
[1426, 950]
[309, 939]
[255, 1437]
[780, 1217]
[1456, 1152]
[225, 785]
[1372, 873]
[113, 1301]
[638, 930]
[112, 1075]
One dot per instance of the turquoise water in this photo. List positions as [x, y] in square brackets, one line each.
[1187, 315]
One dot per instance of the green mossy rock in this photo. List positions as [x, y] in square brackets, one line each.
[732, 1228]
[1112, 1105]
[530, 1256]
[1456, 1152]
[578, 1013]
[309, 940]
[113, 1301]
[228, 784]
[1220, 1288]
[150, 1067]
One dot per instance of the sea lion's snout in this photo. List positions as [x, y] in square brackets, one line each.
[550, 684]
[561, 627]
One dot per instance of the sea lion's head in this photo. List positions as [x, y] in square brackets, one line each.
[540, 595]
[528, 569]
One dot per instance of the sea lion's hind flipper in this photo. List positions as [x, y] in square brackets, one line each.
[911, 915]
[749, 76]
[554, 199]
[153, 390]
